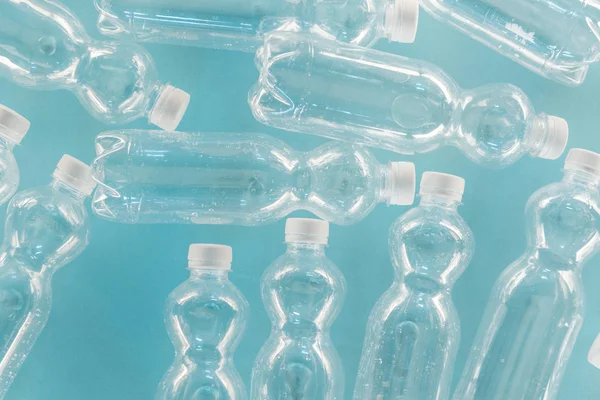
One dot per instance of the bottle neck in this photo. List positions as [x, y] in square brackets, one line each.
[215, 271]
[62, 187]
[439, 201]
[6, 143]
[305, 247]
[582, 178]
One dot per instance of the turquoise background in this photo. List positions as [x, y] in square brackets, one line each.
[106, 337]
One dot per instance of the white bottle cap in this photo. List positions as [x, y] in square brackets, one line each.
[556, 138]
[594, 353]
[13, 125]
[402, 20]
[583, 159]
[306, 230]
[450, 186]
[169, 108]
[403, 183]
[210, 255]
[76, 174]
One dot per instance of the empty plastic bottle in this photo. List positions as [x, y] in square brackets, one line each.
[13, 127]
[344, 92]
[557, 39]
[535, 309]
[413, 332]
[45, 229]
[44, 46]
[303, 292]
[243, 24]
[205, 317]
[238, 178]
[594, 353]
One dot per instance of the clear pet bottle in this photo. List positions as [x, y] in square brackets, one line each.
[339, 91]
[413, 332]
[13, 127]
[206, 317]
[238, 178]
[44, 46]
[303, 292]
[536, 307]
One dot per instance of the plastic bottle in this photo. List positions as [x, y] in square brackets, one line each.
[413, 332]
[303, 292]
[557, 39]
[238, 178]
[594, 353]
[44, 46]
[205, 318]
[339, 91]
[243, 24]
[535, 309]
[13, 127]
[45, 229]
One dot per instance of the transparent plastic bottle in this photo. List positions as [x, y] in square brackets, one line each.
[535, 309]
[13, 127]
[557, 39]
[344, 92]
[594, 353]
[238, 178]
[243, 24]
[303, 292]
[44, 46]
[413, 332]
[45, 229]
[205, 318]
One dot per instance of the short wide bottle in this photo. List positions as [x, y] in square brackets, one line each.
[413, 332]
[44, 46]
[303, 292]
[45, 229]
[339, 91]
[238, 178]
[536, 307]
[206, 317]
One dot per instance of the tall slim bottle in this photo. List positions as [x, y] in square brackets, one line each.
[536, 307]
[46, 228]
[413, 332]
[303, 292]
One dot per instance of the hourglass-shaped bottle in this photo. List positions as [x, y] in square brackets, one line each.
[303, 292]
[43, 45]
[205, 316]
[414, 331]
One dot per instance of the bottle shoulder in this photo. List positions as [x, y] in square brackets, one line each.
[200, 291]
[293, 265]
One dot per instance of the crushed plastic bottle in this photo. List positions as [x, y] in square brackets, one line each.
[303, 292]
[44, 46]
[205, 317]
[558, 39]
[13, 127]
[243, 24]
[238, 178]
[45, 229]
[344, 92]
[535, 309]
[413, 332]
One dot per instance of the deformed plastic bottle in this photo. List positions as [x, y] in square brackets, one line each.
[344, 92]
[536, 307]
[303, 292]
[243, 24]
[44, 46]
[413, 332]
[205, 318]
[13, 127]
[45, 229]
[238, 178]
[558, 39]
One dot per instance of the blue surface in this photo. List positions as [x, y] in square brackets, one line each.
[106, 338]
